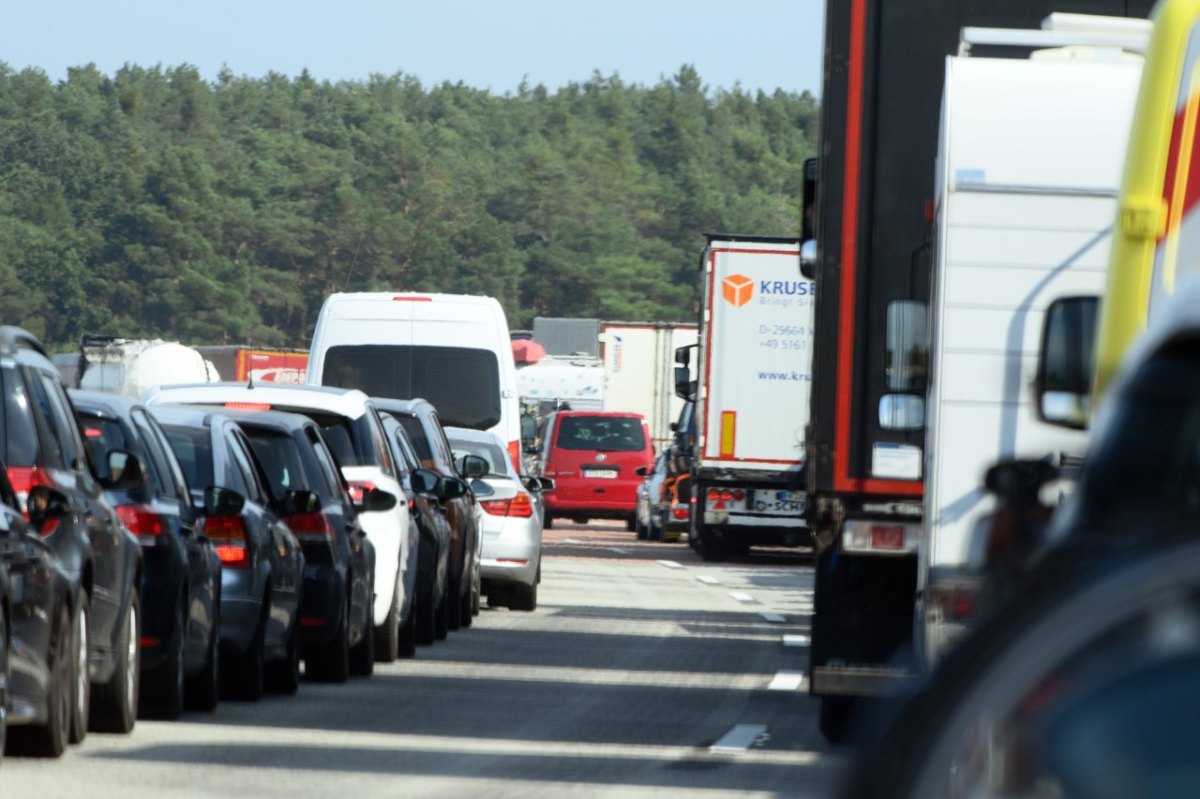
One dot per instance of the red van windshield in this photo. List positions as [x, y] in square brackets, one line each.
[601, 434]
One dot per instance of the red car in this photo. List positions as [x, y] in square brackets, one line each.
[593, 459]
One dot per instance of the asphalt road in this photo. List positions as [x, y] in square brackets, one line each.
[644, 672]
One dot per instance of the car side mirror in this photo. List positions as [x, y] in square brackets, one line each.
[124, 471]
[472, 466]
[377, 500]
[424, 481]
[46, 504]
[641, 471]
[452, 488]
[222, 502]
[299, 501]
[481, 489]
[546, 484]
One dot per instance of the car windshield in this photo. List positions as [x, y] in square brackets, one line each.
[462, 383]
[497, 459]
[601, 433]
[193, 448]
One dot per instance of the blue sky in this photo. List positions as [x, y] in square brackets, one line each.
[763, 44]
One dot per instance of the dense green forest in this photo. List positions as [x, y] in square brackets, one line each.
[155, 203]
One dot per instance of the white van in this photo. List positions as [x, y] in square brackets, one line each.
[450, 349]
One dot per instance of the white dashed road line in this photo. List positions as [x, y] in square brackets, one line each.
[704, 578]
[738, 739]
[795, 640]
[786, 681]
[740, 597]
[670, 564]
[618, 550]
[570, 541]
[774, 618]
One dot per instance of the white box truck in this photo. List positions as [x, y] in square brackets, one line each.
[751, 386]
[639, 374]
[1026, 185]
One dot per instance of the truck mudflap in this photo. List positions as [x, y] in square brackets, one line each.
[860, 680]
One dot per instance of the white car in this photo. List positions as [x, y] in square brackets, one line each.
[511, 526]
[355, 434]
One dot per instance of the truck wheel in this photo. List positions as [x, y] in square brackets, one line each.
[708, 549]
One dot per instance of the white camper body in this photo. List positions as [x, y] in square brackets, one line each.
[1026, 184]
[639, 371]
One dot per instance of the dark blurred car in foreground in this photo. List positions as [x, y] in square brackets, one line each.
[37, 639]
[431, 610]
[424, 429]
[44, 449]
[262, 564]
[339, 560]
[181, 573]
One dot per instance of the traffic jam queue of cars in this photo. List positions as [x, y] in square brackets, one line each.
[222, 540]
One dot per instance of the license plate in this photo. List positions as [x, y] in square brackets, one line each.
[608, 474]
[778, 502]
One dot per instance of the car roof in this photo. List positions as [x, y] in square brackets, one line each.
[400, 405]
[274, 420]
[606, 414]
[114, 405]
[348, 402]
[467, 434]
[186, 415]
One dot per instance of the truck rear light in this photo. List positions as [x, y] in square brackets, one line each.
[880, 538]
[230, 539]
[310, 528]
[359, 489]
[142, 521]
[680, 512]
[956, 602]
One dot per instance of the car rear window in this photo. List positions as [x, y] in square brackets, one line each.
[499, 464]
[16, 421]
[102, 436]
[351, 440]
[193, 448]
[462, 383]
[416, 436]
[280, 459]
[601, 433]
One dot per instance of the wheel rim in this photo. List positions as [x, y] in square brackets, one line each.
[81, 666]
[131, 646]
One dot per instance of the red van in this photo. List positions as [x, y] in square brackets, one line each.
[593, 459]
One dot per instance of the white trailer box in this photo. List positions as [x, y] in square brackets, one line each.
[1028, 168]
[754, 379]
[556, 379]
[639, 371]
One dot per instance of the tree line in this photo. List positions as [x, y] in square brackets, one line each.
[155, 203]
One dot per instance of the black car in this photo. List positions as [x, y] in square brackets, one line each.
[181, 573]
[44, 448]
[262, 565]
[426, 511]
[339, 561]
[420, 421]
[38, 643]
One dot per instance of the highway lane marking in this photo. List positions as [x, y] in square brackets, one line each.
[741, 597]
[740, 738]
[670, 564]
[618, 550]
[795, 640]
[570, 541]
[774, 618]
[704, 578]
[786, 681]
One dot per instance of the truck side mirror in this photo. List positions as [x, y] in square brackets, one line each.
[683, 382]
[808, 259]
[1063, 382]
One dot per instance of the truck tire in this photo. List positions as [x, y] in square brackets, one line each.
[835, 717]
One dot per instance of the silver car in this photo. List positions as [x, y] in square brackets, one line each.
[510, 521]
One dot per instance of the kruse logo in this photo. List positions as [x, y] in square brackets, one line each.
[737, 290]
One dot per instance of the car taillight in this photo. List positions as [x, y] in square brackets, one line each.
[359, 489]
[310, 528]
[142, 521]
[680, 513]
[518, 507]
[230, 539]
